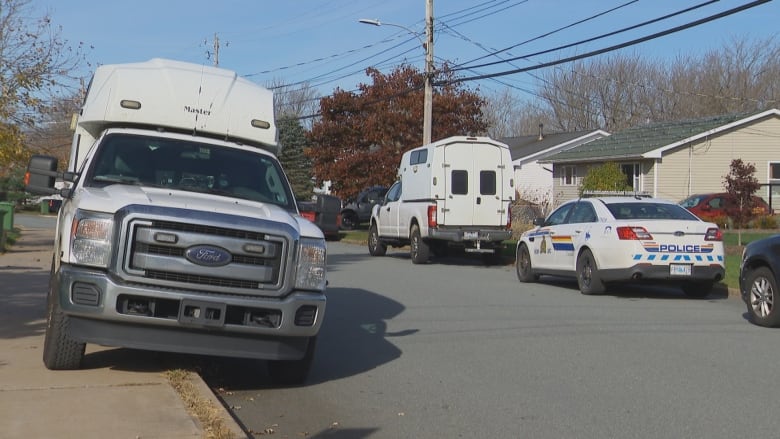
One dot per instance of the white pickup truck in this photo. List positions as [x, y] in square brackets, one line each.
[453, 192]
[179, 231]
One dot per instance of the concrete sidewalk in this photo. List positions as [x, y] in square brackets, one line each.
[118, 393]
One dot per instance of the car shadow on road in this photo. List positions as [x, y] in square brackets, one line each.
[353, 340]
[658, 291]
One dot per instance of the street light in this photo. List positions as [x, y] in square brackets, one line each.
[428, 46]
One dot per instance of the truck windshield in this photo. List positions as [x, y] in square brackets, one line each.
[189, 165]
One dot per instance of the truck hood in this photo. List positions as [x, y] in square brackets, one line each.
[112, 198]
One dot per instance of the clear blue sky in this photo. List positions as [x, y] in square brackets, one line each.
[323, 43]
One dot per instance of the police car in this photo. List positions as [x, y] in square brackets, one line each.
[606, 239]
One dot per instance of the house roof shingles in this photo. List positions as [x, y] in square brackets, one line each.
[633, 142]
[524, 146]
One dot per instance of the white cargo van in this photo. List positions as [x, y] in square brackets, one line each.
[180, 231]
[455, 191]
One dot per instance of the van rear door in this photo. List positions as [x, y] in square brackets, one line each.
[474, 185]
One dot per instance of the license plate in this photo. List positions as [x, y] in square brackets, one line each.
[470, 235]
[679, 269]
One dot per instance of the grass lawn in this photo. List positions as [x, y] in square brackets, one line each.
[730, 241]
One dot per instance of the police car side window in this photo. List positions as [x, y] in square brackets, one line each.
[583, 213]
[559, 216]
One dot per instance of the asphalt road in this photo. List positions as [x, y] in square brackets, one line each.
[457, 349]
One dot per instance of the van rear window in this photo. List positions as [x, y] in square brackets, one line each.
[460, 182]
[487, 182]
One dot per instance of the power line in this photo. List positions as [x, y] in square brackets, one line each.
[615, 47]
[589, 40]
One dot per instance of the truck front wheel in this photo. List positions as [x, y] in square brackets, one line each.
[420, 251]
[293, 372]
[60, 352]
[375, 246]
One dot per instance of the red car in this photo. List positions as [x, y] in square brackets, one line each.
[708, 206]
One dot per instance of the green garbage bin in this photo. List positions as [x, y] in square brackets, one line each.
[8, 218]
[2, 233]
[45, 207]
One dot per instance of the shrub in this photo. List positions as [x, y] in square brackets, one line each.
[765, 222]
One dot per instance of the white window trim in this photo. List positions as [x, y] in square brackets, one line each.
[564, 170]
[637, 180]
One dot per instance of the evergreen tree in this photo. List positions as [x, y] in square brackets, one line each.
[293, 143]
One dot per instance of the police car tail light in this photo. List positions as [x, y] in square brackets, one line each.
[432, 219]
[713, 234]
[633, 233]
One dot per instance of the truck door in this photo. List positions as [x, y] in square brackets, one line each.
[474, 185]
[388, 212]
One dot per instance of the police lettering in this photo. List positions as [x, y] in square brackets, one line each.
[674, 248]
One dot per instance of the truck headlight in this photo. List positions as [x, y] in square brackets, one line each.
[311, 265]
[90, 238]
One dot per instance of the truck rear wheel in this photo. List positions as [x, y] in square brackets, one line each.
[420, 251]
[375, 246]
[293, 372]
[60, 352]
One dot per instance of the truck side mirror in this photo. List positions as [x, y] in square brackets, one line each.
[41, 175]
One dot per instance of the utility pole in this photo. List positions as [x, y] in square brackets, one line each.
[428, 104]
[216, 50]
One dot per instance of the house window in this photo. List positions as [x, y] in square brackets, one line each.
[633, 173]
[569, 176]
[774, 171]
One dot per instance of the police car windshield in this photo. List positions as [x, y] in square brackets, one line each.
[650, 211]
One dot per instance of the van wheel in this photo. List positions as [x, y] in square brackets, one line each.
[588, 274]
[60, 352]
[293, 372]
[375, 246]
[420, 251]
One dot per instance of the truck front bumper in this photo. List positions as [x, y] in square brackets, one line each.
[105, 311]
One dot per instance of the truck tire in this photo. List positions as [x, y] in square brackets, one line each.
[588, 277]
[375, 246]
[60, 352]
[420, 251]
[293, 372]
[349, 220]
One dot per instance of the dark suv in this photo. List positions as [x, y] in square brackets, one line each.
[358, 210]
[758, 280]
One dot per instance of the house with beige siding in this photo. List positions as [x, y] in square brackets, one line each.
[673, 160]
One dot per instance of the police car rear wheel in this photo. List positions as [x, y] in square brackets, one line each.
[588, 274]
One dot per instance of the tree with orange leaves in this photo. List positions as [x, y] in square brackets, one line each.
[359, 140]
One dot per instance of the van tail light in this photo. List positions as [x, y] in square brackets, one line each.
[509, 217]
[713, 234]
[633, 233]
[432, 220]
